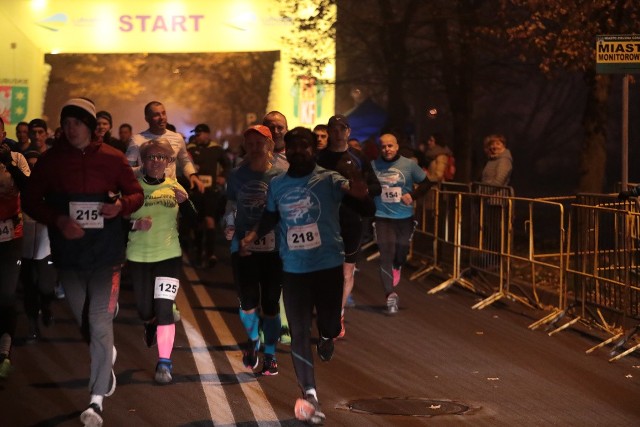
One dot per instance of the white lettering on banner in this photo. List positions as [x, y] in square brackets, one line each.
[6, 230]
[160, 23]
[166, 288]
[303, 237]
[87, 214]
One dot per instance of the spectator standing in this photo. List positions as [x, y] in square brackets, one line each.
[497, 170]
[79, 189]
[436, 158]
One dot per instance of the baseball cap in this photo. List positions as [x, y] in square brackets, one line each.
[201, 128]
[261, 129]
[338, 119]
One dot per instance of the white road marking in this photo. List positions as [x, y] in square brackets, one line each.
[219, 406]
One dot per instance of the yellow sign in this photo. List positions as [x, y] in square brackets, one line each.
[618, 54]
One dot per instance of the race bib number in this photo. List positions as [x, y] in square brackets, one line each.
[303, 237]
[266, 243]
[87, 214]
[166, 288]
[207, 180]
[391, 194]
[6, 230]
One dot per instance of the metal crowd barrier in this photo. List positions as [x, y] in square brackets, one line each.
[603, 267]
[576, 257]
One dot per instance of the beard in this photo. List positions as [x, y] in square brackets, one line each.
[300, 165]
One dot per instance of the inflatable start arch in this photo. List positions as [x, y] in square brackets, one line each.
[29, 29]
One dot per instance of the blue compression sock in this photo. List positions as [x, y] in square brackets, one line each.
[250, 322]
[271, 327]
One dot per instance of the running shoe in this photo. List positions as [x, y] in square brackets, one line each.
[308, 410]
[396, 275]
[350, 302]
[150, 334]
[285, 335]
[163, 371]
[342, 331]
[269, 366]
[325, 349]
[5, 366]
[392, 303]
[92, 416]
[176, 313]
[250, 356]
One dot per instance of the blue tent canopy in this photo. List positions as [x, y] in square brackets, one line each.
[366, 120]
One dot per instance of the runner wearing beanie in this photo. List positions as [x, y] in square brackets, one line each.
[80, 188]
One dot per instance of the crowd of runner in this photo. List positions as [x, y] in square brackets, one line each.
[81, 208]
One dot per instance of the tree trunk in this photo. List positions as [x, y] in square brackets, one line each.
[593, 157]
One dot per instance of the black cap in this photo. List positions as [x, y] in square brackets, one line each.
[338, 119]
[201, 128]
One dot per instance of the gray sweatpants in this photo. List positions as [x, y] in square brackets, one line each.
[92, 297]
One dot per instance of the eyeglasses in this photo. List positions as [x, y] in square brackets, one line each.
[157, 157]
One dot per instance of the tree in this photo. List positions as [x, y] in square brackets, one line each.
[398, 50]
[560, 36]
[215, 88]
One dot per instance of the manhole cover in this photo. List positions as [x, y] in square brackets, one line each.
[413, 406]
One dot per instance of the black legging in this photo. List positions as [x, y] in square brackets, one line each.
[143, 275]
[302, 292]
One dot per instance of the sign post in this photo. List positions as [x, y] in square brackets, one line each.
[620, 54]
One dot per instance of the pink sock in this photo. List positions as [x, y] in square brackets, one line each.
[166, 334]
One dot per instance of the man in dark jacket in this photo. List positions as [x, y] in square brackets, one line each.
[80, 188]
[351, 164]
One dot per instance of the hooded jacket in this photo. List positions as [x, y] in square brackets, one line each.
[64, 174]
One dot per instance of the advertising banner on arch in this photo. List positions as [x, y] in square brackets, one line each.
[618, 54]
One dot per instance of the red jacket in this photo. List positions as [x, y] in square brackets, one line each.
[64, 174]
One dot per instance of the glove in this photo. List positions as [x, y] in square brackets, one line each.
[5, 154]
[624, 195]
